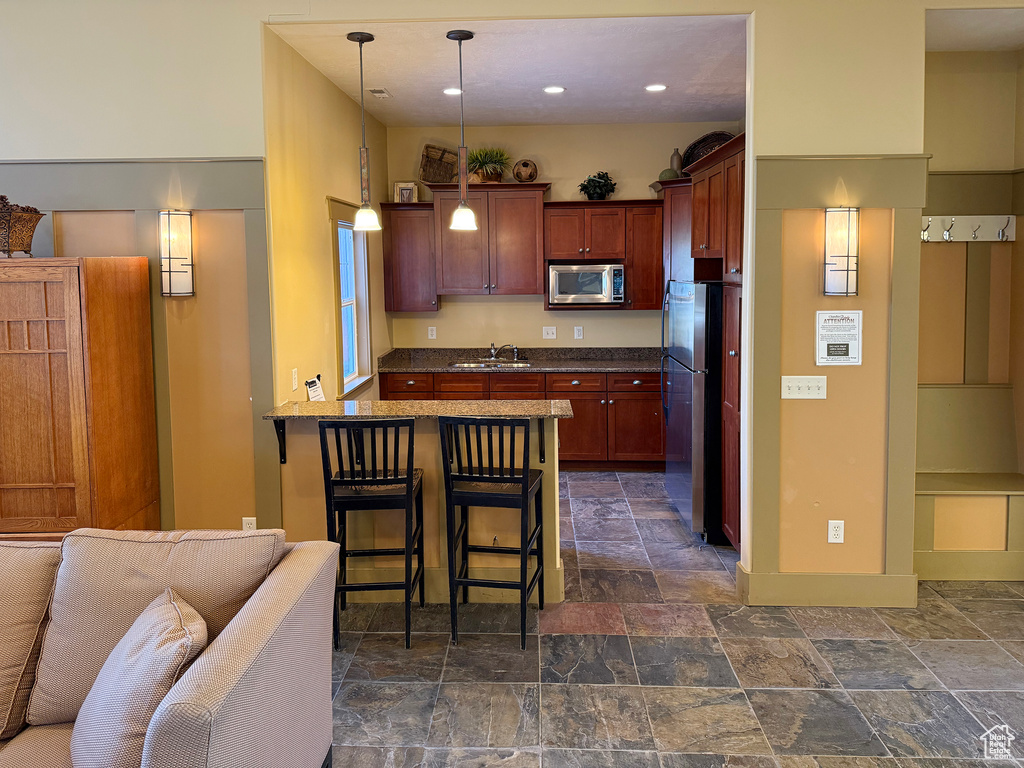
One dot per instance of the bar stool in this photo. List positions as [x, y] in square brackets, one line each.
[472, 478]
[364, 473]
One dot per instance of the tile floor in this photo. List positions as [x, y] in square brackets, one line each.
[651, 664]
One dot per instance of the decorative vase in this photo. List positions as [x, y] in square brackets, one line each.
[596, 196]
[676, 161]
[16, 231]
[525, 171]
[491, 178]
[668, 173]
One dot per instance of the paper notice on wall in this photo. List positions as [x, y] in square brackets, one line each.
[314, 389]
[839, 338]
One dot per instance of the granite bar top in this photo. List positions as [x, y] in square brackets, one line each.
[541, 359]
[421, 409]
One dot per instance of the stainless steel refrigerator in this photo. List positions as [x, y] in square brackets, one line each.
[691, 376]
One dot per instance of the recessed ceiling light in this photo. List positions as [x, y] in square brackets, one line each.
[452, 91]
[655, 87]
[554, 89]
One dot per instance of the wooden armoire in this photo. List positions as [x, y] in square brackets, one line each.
[77, 410]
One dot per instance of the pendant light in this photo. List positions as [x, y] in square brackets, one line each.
[463, 218]
[366, 217]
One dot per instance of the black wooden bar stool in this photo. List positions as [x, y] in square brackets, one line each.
[479, 458]
[362, 471]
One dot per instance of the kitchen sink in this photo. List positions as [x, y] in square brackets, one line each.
[491, 364]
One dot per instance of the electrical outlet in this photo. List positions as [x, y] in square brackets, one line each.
[295, 379]
[431, 332]
[248, 523]
[549, 332]
[804, 387]
[577, 332]
[835, 531]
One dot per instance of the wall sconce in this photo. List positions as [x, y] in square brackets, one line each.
[176, 278]
[842, 234]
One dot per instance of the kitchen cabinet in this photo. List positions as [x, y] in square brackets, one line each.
[636, 428]
[77, 407]
[504, 255]
[732, 301]
[593, 231]
[644, 269]
[677, 217]
[708, 236]
[410, 270]
[733, 169]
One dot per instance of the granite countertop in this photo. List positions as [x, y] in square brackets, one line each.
[541, 359]
[421, 409]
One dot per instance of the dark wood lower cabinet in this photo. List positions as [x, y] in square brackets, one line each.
[636, 428]
[731, 479]
[584, 437]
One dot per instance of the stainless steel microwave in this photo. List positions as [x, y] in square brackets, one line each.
[586, 283]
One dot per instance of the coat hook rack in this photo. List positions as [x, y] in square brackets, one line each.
[925, 237]
[982, 229]
[974, 232]
[1001, 234]
[947, 234]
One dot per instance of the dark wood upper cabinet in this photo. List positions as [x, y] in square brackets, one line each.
[462, 257]
[564, 233]
[644, 270]
[410, 271]
[708, 237]
[733, 168]
[677, 260]
[606, 234]
[593, 231]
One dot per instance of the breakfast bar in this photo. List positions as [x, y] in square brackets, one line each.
[304, 508]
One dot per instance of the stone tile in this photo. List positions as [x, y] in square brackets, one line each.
[815, 723]
[1016, 586]
[613, 555]
[665, 532]
[377, 757]
[601, 508]
[975, 665]
[486, 715]
[876, 665]
[563, 489]
[704, 720]
[564, 507]
[648, 476]
[481, 758]
[642, 488]
[752, 621]
[831, 761]
[841, 623]
[342, 658]
[688, 661]
[710, 587]
[949, 762]
[925, 591]
[500, 618]
[999, 619]
[584, 758]
[383, 714]
[997, 708]
[335, 687]
[595, 717]
[586, 659]
[619, 586]
[385, 658]
[605, 529]
[787, 662]
[727, 555]
[569, 557]
[975, 590]
[683, 557]
[1015, 648]
[596, 490]
[566, 531]
[678, 620]
[921, 723]
[573, 585]
[677, 760]
[492, 659]
[652, 509]
[591, 477]
[931, 620]
[390, 617]
[581, 618]
[356, 617]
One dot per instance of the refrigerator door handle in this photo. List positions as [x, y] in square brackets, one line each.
[664, 311]
[664, 404]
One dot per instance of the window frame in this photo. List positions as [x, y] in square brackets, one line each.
[342, 213]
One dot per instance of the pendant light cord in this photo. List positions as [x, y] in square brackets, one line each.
[362, 104]
[462, 103]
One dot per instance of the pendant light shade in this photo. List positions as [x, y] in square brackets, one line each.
[366, 217]
[463, 219]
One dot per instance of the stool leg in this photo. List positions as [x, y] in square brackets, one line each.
[524, 559]
[538, 513]
[408, 572]
[453, 602]
[419, 545]
[343, 540]
[465, 551]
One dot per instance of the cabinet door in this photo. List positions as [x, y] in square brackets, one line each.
[731, 316]
[636, 427]
[699, 238]
[677, 231]
[716, 213]
[733, 179]
[606, 234]
[462, 261]
[44, 461]
[564, 233]
[644, 276]
[731, 482]
[584, 437]
[410, 272]
[515, 223]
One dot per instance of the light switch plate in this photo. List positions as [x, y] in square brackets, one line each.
[804, 387]
[295, 379]
[431, 331]
[549, 332]
[577, 331]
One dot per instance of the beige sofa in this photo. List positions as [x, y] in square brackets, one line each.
[259, 695]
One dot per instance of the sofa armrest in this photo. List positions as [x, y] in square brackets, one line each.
[260, 695]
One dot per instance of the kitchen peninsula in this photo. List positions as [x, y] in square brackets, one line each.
[305, 513]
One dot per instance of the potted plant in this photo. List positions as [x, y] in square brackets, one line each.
[17, 225]
[597, 187]
[489, 163]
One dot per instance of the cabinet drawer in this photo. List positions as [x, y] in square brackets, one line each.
[517, 382]
[410, 382]
[517, 396]
[576, 382]
[460, 382]
[461, 396]
[634, 382]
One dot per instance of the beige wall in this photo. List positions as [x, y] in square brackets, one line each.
[83, 234]
[1017, 343]
[943, 303]
[313, 136]
[833, 451]
[970, 523]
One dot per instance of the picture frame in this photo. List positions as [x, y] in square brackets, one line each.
[406, 192]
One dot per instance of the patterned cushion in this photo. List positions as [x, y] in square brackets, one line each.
[48, 746]
[105, 580]
[26, 582]
[111, 727]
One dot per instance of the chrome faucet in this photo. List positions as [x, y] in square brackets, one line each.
[499, 350]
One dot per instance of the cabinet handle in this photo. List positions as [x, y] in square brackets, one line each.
[410, 383]
[637, 382]
[581, 250]
[611, 402]
[732, 353]
[493, 286]
[629, 301]
[575, 382]
[588, 250]
[734, 271]
[602, 402]
[433, 302]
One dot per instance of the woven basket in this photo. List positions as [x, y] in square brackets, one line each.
[705, 145]
[16, 230]
[439, 164]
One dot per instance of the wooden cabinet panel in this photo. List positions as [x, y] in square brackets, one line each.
[460, 382]
[410, 271]
[731, 481]
[576, 382]
[462, 258]
[634, 382]
[606, 234]
[517, 382]
[636, 427]
[732, 304]
[731, 316]
[584, 437]
[699, 227]
[677, 258]
[516, 241]
[716, 213]
[564, 233]
[644, 271]
[733, 253]
[409, 382]
[460, 396]
[518, 396]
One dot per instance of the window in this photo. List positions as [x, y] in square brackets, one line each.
[353, 323]
[348, 324]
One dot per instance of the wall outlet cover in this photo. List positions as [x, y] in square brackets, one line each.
[836, 532]
[248, 523]
[295, 379]
[431, 331]
[549, 332]
[577, 332]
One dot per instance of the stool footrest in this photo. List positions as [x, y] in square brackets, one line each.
[370, 552]
[497, 550]
[369, 586]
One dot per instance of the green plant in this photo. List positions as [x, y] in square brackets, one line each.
[598, 186]
[489, 161]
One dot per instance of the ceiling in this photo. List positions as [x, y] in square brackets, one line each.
[603, 64]
[975, 30]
